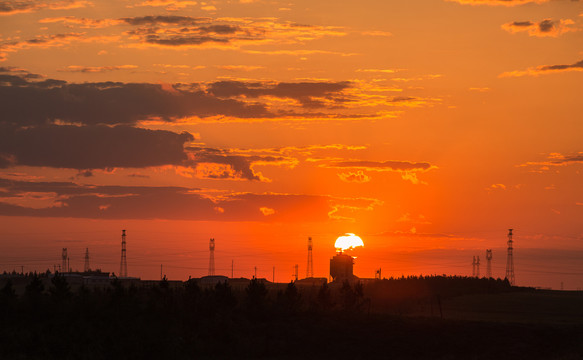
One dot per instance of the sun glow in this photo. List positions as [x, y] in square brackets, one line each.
[348, 241]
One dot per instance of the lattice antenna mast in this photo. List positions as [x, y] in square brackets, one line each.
[123, 266]
[310, 270]
[64, 257]
[510, 260]
[86, 267]
[477, 266]
[296, 272]
[488, 263]
[474, 267]
[212, 258]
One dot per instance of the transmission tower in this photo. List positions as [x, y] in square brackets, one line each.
[510, 260]
[64, 257]
[86, 267]
[477, 266]
[474, 267]
[123, 266]
[488, 263]
[310, 270]
[296, 272]
[212, 258]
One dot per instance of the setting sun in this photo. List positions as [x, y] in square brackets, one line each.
[348, 241]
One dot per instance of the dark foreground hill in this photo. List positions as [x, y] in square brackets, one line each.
[385, 320]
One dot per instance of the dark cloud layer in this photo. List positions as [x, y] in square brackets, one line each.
[182, 40]
[91, 147]
[304, 92]
[177, 203]
[163, 19]
[241, 165]
[48, 122]
[109, 102]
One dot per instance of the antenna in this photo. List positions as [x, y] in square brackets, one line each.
[296, 272]
[212, 258]
[474, 267]
[232, 268]
[310, 270]
[377, 274]
[86, 267]
[64, 258]
[123, 266]
[489, 263]
[510, 260]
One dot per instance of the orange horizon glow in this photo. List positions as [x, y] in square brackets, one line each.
[264, 123]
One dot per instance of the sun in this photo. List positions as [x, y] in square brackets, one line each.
[348, 241]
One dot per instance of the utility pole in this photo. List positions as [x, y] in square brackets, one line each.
[510, 260]
[64, 260]
[478, 266]
[123, 266]
[310, 270]
[212, 258]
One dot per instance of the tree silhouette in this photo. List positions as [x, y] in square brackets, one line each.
[34, 289]
[8, 291]
[292, 297]
[223, 297]
[256, 294]
[324, 300]
[60, 289]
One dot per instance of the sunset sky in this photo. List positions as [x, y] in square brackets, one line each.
[427, 127]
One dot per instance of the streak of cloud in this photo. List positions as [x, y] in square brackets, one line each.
[544, 69]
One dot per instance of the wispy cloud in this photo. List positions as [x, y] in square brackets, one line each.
[498, 2]
[556, 159]
[354, 177]
[546, 27]
[407, 169]
[12, 7]
[170, 5]
[544, 69]
[50, 41]
[97, 69]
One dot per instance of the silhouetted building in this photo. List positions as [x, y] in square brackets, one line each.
[341, 267]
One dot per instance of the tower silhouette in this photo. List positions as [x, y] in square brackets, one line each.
[477, 266]
[212, 258]
[296, 272]
[510, 260]
[474, 266]
[310, 270]
[86, 267]
[488, 263]
[123, 266]
[64, 257]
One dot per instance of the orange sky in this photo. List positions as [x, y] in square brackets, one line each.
[427, 128]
